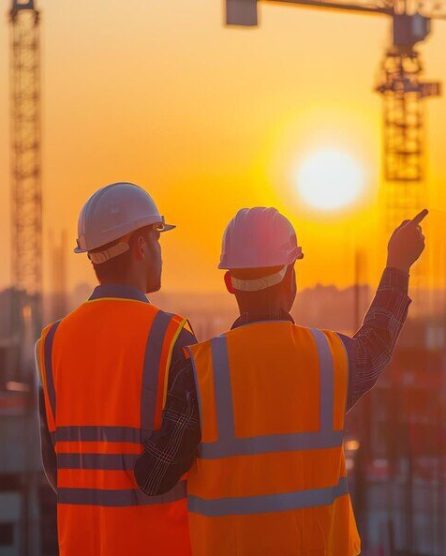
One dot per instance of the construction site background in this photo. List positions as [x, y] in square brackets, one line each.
[395, 441]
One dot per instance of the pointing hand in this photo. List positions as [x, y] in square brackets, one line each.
[406, 243]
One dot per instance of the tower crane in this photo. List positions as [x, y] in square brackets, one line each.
[26, 259]
[401, 85]
[26, 191]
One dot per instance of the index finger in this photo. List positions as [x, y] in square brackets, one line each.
[420, 216]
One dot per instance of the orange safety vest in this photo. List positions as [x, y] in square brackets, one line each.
[270, 477]
[104, 371]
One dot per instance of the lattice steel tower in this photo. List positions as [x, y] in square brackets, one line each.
[403, 91]
[26, 193]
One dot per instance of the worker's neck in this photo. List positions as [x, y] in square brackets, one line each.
[130, 281]
[253, 306]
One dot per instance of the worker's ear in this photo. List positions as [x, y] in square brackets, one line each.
[228, 282]
[138, 247]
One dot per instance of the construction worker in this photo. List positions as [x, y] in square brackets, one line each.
[270, 476]
[104, 372]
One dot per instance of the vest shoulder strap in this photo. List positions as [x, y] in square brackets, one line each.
[164, 332]
[44, 365]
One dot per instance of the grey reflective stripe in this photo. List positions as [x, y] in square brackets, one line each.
[222, 389]
[123, 462]
[326, 380]
[130, 497]
[48, 355]
[271, 443]
[152, 357]
[230, 445]
[268, 503]
[97, 434]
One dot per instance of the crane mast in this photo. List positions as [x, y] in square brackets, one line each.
[26, 191]
[403, 91]
[26, 253]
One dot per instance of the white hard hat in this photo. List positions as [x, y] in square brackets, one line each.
[111, 213]
[259, 237]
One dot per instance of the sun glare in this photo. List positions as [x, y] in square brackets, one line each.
[329, 180]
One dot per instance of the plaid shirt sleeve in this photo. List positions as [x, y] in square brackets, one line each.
[170, 451]
[370, 350]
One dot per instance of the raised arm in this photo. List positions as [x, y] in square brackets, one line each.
[371, 348]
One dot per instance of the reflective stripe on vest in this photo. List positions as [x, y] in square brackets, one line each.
[248, 505]
[150, 373]
[116, 461]
[109, 497]
[229, 445]
[48, 350]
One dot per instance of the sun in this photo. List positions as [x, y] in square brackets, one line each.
[329, 180]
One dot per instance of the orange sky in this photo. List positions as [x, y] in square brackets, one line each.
[209, 120]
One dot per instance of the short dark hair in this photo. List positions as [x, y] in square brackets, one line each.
[116, 269]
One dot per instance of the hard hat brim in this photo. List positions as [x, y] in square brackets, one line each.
[80, 250]
[167, 227]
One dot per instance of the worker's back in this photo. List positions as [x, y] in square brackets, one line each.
[270, 477]
[104, 373]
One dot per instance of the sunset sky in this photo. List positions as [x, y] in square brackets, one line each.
[209, 120]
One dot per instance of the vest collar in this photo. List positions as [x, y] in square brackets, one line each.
[120, 291]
